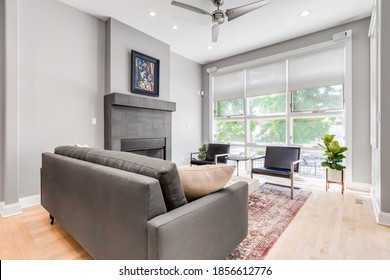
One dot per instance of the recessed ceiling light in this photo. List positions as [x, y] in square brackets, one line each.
[152, 14]
[305, 13]
[209, 47]
[175, 27]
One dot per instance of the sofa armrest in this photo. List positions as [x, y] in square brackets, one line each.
[208, 228]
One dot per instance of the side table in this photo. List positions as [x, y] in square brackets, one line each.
[237, 159]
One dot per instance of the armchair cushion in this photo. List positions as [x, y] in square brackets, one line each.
[201, 162]
[285, 173]
[202, 180]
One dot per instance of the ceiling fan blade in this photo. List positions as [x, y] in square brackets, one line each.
[242, 10]
[215, 32]
[191, 8]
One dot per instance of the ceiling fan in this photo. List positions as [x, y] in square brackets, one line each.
[218, 16]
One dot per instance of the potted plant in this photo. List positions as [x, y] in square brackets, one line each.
[202, 152]
[334, 158]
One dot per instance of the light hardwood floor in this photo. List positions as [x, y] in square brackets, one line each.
[329, 226]
[336, 227]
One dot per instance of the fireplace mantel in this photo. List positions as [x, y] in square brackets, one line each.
[136, 117]
[120, 99]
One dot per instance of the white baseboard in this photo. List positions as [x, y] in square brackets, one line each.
[8, 210]
[382, 218]
[11, 210]
[356, 186]
[30, 201]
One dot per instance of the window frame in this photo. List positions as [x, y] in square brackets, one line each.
[346, 112]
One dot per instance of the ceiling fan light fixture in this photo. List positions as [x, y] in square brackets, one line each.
[218, 16]
[152, 13]
[305, 13]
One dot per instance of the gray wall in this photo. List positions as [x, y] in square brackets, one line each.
[61, 83]
[385, 101]
[180, 80]
[122, 39]
[187, 120]
[2, 89]
[361, 148]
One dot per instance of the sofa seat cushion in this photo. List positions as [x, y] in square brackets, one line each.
[198, 181]
[164, 171]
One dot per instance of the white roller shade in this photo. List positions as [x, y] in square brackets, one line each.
[229, 85]
[323, 68]
[264, 79]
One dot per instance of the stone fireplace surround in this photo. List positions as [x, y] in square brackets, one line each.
[138, 119]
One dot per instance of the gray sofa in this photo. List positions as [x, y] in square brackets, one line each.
[125, 206]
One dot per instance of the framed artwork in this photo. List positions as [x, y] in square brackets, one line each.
[145, 74]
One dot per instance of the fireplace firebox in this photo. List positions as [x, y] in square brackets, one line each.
[151, 147]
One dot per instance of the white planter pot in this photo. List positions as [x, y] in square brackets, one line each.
[334, 175]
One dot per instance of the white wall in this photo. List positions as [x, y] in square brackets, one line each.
[361, 149]
[187, 120]
[61, 84]
[2, 88]
[122, 39]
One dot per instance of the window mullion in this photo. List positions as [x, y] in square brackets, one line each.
[288, 109]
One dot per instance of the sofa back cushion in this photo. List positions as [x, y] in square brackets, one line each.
[164, 171]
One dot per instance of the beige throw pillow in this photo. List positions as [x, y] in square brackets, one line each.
[198, 181]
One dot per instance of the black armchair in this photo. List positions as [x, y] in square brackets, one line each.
[280, 162]
[216, 153]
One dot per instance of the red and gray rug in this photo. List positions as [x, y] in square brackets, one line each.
[270, 212]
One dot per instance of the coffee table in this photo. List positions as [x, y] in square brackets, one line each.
[237, 159]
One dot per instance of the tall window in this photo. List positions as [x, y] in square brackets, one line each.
[292, 102]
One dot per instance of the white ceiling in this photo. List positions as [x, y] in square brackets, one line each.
[273, 23]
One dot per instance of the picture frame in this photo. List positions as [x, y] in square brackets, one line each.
[145, 74]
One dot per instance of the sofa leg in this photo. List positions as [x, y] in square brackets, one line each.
[51, 219]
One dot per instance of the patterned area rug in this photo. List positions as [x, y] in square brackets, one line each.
[270, 212]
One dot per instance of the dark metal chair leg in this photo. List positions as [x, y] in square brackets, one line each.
[51, 219]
